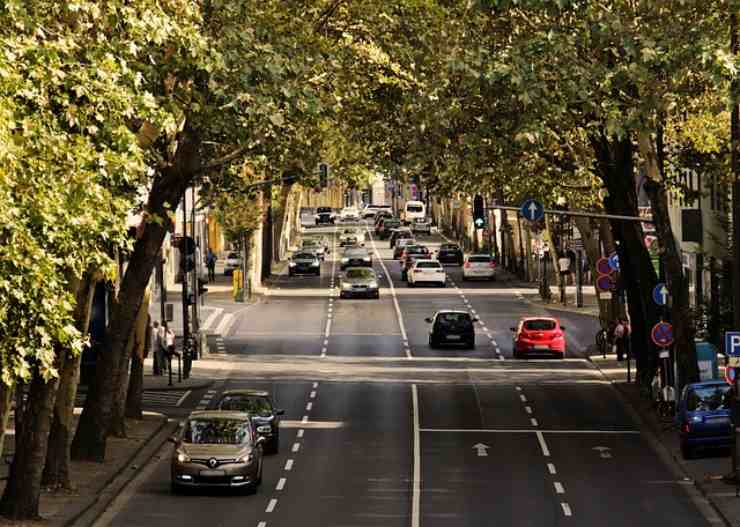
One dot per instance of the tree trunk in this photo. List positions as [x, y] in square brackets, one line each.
[20, 501]
[167, 190]
[283, 223]
[57, 467]
[267, 234]
[142, 343]
[682, 320]
[6, 403]
[593, 253]
[614, 162]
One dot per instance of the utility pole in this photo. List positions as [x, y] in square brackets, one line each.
[183, 269]
[195, 285]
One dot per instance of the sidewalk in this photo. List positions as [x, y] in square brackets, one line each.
[590, 301]
[160, 383]
[704, 473]
[97, 484]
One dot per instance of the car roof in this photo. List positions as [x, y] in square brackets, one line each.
[706, 384]
[356, 250]
[448, 311]
[527, 319]
[247, 391]
[358, 268]
[480, 255]
[220, 414]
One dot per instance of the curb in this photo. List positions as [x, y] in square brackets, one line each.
[88, 513]
[175, 387]
[564, 309]
[696, 492]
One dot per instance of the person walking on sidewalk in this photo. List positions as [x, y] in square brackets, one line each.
[158, 360]
[621, 334]
[211, 264]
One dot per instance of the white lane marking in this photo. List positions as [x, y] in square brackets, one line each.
[519, 388]
[528, 409]
[225, 322]
[304, 419]
[315, 385]
[281, 484]
[212, 318]
[559, 489]
[328, 328]
[296, 447]
[323, 352]
[396, 305]
[525, 431]
[182, 399]
[289, 465]
[313, 394]
[543, 444]
[416, 495]
[271, 506]
[309, 406]
[566, 509]
[500, 357]
[262, 524]
[551, 469]
[329, 317]
[300, 433]
[326, 342]
[523, 398]
[486, 330]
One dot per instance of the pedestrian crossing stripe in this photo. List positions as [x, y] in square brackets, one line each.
[168, 398]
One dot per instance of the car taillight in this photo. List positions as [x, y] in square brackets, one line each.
[467, 265]
[492, 265]
[686, 428]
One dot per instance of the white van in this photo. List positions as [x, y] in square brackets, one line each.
[414, 210]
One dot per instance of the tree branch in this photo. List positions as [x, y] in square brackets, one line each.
[223, 161]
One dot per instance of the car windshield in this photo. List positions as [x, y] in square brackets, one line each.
[428, 265]
[539, 325]
[211, 431]
[232, 256]
[303, 256]
[453, 319]
[388, 224]
[360, 273]
[310, 243]
[449, 248]
[479, 259]
[253, 404]
[414, 208]
[357, 253]
[417, 249]
[322, 210]
[708, 398]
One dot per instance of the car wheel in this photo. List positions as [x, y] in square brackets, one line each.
[376, 295]
[443, 284]
[493, 278]
[410, 284]
[471, 345]
[175, 488]
[432, 343]
[686, 451]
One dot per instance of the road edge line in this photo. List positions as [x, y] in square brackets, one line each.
[416, 483]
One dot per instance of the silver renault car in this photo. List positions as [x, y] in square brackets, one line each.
[217, 449]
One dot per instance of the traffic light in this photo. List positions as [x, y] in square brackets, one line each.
[479, 212]
[323, 175]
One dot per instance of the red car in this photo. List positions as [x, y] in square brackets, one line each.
[538, 335]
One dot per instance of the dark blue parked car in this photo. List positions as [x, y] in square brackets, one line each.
[704, 417]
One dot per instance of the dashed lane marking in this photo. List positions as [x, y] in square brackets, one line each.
[528, 409]
[271, 506]
[300, 433]
[543, 444]
[304, 419]
[296, 447]
[566, 509]
[315, 385]
[534, 422]
[551, 469]
[289, 465]
[281, 484]
[309, 406]
[559, 489]
[312, 395]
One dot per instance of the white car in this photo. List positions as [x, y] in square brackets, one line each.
[233, 261]
[371, 210]
[427, 271]
[352, 236]
[422, 225]
[481, 266]
[349, 214]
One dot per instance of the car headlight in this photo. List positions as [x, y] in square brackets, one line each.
[346, 286]
[345, 260]
[314, 264]
[366, 259]
[182, 457]
[248, 459]
[697, 419]
[373, 285]
[291, 264]
[264, 429]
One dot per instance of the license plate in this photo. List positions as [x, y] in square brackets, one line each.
[541, 347]
[212, 473]
[453, 337]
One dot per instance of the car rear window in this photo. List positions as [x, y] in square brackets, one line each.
[449, 248]
[428, 265]
[232, 256]
[454, 319]
[479, 259]
[360, 273]
[388, 224]
[356, 253]
[414, 208]
[303, 256]
[708, 398]
[323, 209]
[539, 325]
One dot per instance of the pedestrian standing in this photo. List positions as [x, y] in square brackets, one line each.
[211, 263]
[620, 332]
[564, 268]
[157, 349]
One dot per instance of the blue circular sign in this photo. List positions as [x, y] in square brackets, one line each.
[661, 294]
[532, 210]
[614, 261]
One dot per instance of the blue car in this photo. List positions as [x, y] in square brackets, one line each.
[704, 417]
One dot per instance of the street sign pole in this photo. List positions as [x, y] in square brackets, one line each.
[579, 279]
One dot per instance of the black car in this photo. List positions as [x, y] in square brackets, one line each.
[304, 263]
[452, 327]
[386, 226]
[258, 404]
[356, 257]
[450, 253]
[401, 233]
[324, 215]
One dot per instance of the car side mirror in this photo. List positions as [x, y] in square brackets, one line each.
[562, 328]
[428, 320]
[280, 412]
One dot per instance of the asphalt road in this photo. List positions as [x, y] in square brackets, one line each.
[380, 430]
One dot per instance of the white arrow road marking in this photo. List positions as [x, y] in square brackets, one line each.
[482, 449]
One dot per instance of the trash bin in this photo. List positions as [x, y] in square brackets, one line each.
[706, 359]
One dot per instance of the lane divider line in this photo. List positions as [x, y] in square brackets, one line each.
[566, 509]
[289, 465]
[296, 447]
[304, 419]
[312, 395]
[300, 433]
[309, 406]
[271, 506]
[551, 469]
[543, 444]
[416, 490]
[281, 484]
[534, 422]
[559, 489]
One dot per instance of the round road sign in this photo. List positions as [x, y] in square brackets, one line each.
[605, 283]
[603, 267]
[532, 210]
[662, 334]
[730, 374]
[661, 294]
[614, 261]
